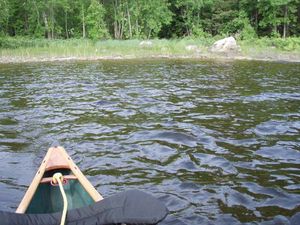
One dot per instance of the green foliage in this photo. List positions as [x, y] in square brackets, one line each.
[156, 14]
[95, 21]
[142, 19]
[277, 15]
[4, 15]
[190, 14]
[38, 31]
[223, 16]
[287, 44]
[138, 19]
[198, 32]
[243, 26]
[248, 32]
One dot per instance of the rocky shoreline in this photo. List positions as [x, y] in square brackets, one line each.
[224, 49]
[204, 56]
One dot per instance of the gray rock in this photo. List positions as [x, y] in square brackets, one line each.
[225, 45]
[192, 48]
[146, 43]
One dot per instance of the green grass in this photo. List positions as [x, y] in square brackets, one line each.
[89, 48]
[22, 47]
[272, 48]
[288, 44]
[26, 49]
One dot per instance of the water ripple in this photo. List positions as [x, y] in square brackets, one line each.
[217, 142]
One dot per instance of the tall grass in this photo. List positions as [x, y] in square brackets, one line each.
[26, 49]
[287, 44]
[272, 48]
[22, 47]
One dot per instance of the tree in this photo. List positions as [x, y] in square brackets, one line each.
[278, 14]
[118, 8]
[4, 16]
[128, 19]
[155, 14]
[251, 9]
[83, 4]
[191, 15]
[242, 27]
[138, 19]
[288, 15]
[95, 21]
[66, 5]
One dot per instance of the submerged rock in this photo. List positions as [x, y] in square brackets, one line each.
[225, 45]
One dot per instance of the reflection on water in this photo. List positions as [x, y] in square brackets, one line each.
[218, 142]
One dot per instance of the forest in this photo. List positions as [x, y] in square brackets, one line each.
[149, 19]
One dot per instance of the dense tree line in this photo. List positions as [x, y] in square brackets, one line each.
[127, 19]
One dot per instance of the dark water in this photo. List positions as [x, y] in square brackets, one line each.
[218, 142]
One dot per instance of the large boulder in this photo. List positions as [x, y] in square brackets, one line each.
[225, 45]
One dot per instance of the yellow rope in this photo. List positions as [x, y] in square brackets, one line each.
[57, 178]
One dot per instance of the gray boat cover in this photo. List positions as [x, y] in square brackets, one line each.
[129, 207]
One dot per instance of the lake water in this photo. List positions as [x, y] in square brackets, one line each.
[218, 142]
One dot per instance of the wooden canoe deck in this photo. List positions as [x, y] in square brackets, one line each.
[56, 158]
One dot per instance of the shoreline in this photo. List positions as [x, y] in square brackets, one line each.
[22, 50]
[40, 50]
[217, 57]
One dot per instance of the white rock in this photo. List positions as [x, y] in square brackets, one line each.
[192, 48]
[225, 45]
[146, 43]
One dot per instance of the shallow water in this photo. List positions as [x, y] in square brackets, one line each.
[218, 142]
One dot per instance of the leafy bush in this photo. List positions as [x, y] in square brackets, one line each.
[248, 32]
[95, 21]
[288, 44]
[283, 44]
[198, 32]
[242, 27]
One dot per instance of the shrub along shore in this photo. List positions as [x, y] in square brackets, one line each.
[22, 49]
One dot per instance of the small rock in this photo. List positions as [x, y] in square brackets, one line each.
[146, 43]
[164, 49]
[192, 48]
[225, 45]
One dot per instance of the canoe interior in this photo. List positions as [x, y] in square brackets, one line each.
[48, 199]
